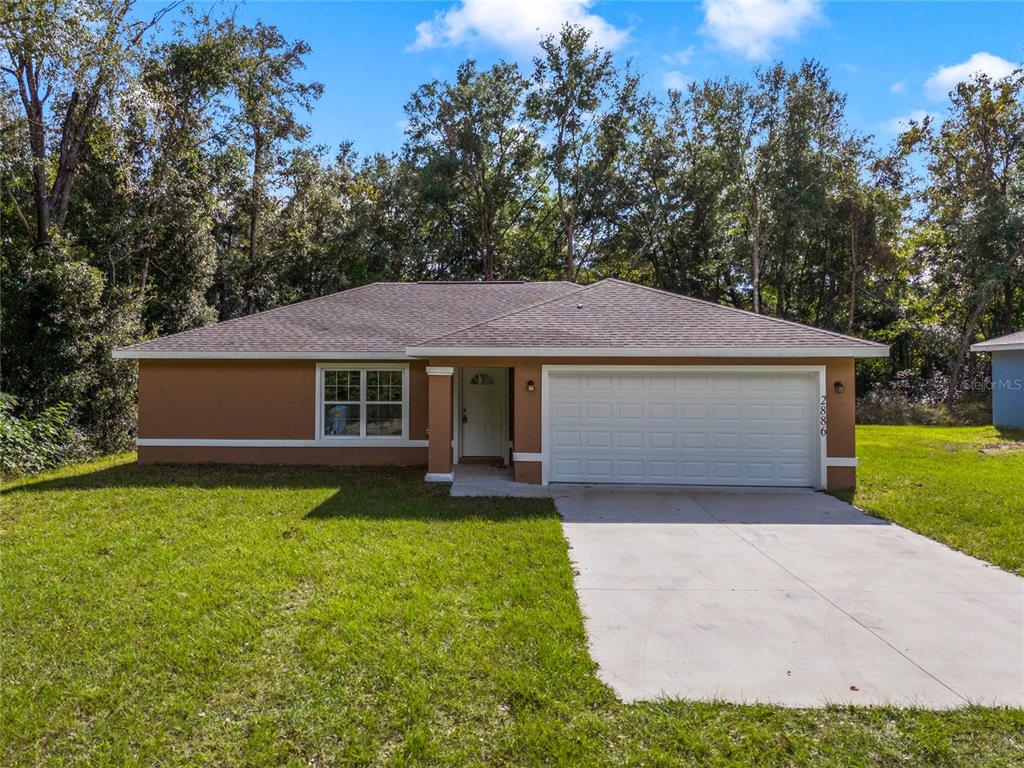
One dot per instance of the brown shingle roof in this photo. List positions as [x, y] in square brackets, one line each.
[376, 318]
[391, 319]
[613, 314]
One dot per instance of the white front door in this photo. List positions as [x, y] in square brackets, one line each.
[484, 408]
[702, 427]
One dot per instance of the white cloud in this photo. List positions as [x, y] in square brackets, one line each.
[682, 57]
[947, 78]
[513, 24]
[901, 123]
[675, 80]
[752, 27]
[899, 86]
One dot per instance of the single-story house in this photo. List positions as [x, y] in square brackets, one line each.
[1007, 378]
[605, 383]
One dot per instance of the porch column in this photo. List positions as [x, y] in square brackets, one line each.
[439, 423]
[526, 430]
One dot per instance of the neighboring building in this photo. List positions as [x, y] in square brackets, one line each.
[1007, 379]
[606, 383]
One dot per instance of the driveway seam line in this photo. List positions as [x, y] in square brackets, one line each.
[830, 602]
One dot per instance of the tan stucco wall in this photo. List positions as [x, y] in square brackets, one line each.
[245, 399]
[439, 459]
[337, 457]
[840, 441]
[239, 399]
[254, 400]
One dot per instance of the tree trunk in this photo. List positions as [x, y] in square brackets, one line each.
[486, 250]
[853, 273]
[254, 214]
[956, 370]
[755, 258]
[570, 246]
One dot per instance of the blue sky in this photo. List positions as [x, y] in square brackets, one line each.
[893, 60]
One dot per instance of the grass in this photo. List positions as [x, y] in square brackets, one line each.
[277, 617]
[939, 482]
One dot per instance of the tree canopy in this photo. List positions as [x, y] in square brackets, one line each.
[151, 186]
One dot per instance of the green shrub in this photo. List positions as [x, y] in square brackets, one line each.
[30, 445]
[900, 410]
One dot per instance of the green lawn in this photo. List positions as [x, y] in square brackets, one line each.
[314, 617]
[956, 484]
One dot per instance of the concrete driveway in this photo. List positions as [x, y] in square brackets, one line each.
[789, 597]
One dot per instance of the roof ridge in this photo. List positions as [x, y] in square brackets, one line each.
[508, 314]
[746, 312]
[255, 314]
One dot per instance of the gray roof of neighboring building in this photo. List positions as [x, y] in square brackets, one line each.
[1007, 343]
[394, 320]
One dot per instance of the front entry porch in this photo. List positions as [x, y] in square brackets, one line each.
[491, 480]
[485, 415]
[481, 396]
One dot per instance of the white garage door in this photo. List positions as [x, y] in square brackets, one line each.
[683, 427]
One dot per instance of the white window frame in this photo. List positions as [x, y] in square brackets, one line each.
[362, 438]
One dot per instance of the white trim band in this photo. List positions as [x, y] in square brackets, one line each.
[840, 461]
[527, 457]
[440, 370]
[880, 350]
[361, 442]
[127, 353]
[439, 477]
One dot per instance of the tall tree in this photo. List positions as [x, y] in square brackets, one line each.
[586, 109]
[972, 229]
[268, 94]
[63, 58]
[477, 153]
[676, 185]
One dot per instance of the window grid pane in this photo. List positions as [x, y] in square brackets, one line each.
[341, 386]
[342, 419]
[383, 420]
[384, 386]
[363, 403]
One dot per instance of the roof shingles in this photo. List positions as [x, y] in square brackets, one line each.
[613, 313]
[375, 318]
[389, 318]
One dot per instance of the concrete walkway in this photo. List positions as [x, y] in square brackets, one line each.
[789, 597]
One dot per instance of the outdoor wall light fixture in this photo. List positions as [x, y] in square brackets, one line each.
[839, 388]
[530, 386]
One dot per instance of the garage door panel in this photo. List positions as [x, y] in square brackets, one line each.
[630, 440]
[695, 440]
[631, 410]
[694, 412]
[567, 411]
[727, 412]
[662, 411]
[695, 471]
[696, 428]
[625, 384]
[563, 438]
[632, 470]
